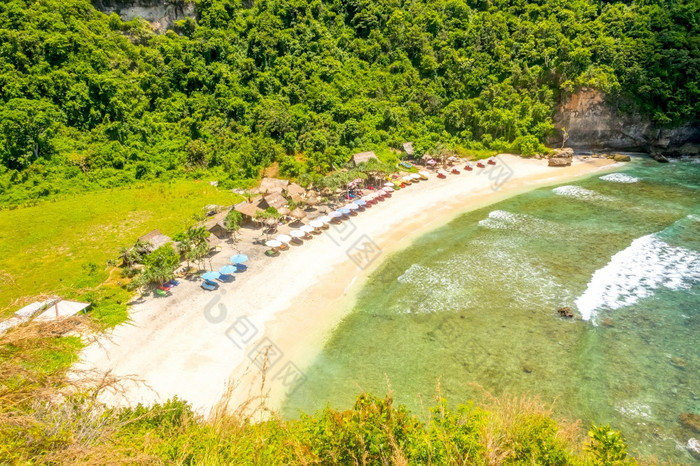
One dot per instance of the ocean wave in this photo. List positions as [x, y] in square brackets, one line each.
[619, 178]
[577, 192]
[649, 263]
[504, 220]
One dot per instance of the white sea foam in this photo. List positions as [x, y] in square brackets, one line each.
[502, 220]
[634, 409]
[619, 178]
[458, 282]
[577, 192]
[433, 289]
[649, 263]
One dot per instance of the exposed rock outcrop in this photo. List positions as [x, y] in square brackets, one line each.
[559, 161]
[592, 123]
[161, 14]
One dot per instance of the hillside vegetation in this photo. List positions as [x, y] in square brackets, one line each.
[88, 101]
[38, 427]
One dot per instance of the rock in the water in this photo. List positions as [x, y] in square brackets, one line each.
[560, 161]
[678, 362]
[690, 421]
[693, 447]
[607, 322]
[621, 158]
[659, 157]
[565, 312]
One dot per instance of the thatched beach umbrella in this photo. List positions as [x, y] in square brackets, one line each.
[283, 211]
[298, 213]
[283, 238]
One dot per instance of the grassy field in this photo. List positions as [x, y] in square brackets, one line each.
[62, 246]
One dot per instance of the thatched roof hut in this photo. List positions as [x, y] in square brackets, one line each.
[155, 238]
[294, 188]
[361, 157]
[215, 225]
[247, 210]
[272, 185]
[275, 200]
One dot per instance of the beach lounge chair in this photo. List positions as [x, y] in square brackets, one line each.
[406, 165]
[211, 283]
[208, 287]
[164, 287]
[161, 293]
[455, 171]
[223, 278]
[480, 165]
[271, 253]
[241, 268]
[468, 167]
[173, 282]
[491, 162]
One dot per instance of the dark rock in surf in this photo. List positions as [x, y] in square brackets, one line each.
[565, 312]
[690, 421]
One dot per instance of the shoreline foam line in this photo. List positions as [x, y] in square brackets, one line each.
[291, 302]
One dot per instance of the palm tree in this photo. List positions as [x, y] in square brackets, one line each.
[232, 222]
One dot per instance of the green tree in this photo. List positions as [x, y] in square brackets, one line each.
[26, 129]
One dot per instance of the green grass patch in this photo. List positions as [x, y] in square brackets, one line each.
[62, 246]
[35, 359]
[109, 304]
[475, 154]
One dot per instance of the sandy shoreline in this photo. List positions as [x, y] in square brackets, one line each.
[195, 344]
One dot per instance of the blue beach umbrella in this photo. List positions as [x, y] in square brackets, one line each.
[211, 275]
[227, 270]
[239, 258]
[344, 211]
[360, 202]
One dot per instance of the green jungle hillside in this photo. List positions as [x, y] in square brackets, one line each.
[89, 101]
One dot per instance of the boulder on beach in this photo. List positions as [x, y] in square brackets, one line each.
[566, 152]
[621, 158]
[560, 161]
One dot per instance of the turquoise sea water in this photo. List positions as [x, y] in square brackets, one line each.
[473, 304]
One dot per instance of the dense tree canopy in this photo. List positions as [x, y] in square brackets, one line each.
[87, 100]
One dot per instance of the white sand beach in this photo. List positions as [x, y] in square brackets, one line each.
[194, 344]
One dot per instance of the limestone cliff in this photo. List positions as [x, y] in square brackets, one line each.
[161, 14]
[592, 123]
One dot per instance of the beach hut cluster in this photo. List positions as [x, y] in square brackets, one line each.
[279, 194]
[306, 224]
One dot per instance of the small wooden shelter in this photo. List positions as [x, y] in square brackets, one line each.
[361, 157]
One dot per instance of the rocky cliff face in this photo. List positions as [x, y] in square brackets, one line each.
[162, 14]
[593, 124]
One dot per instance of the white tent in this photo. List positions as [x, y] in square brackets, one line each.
[62, 309]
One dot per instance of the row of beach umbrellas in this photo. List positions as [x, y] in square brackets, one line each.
[235, 266]
[338, 214]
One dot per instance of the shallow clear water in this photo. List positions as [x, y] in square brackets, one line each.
[473, 304]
